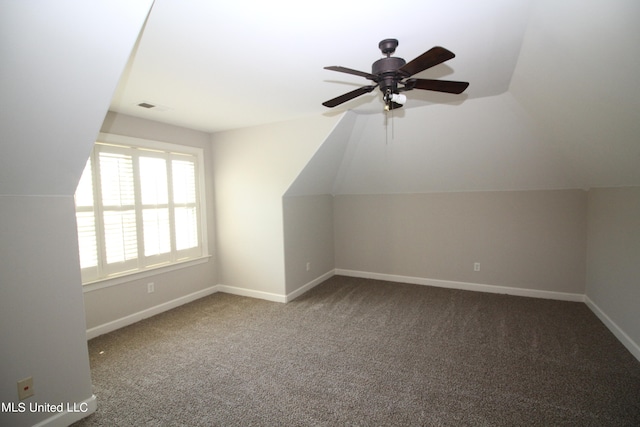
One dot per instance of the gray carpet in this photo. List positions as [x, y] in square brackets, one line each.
[358, 352]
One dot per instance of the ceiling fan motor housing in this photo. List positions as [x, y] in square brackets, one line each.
[386, 69]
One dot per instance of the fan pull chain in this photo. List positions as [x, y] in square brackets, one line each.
[386, 126]
[388, 118]
[393, 122]
[389, 107]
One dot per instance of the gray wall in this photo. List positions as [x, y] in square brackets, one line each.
[613, 260]
[253, 168]
[523, 239]
[308, 238]
[41, 321]
[61, 62]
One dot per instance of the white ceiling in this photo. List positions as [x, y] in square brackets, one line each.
[553, 101]
[215, 66]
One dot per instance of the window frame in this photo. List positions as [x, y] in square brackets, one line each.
[148, 265]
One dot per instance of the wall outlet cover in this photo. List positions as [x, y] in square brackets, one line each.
[25, 388]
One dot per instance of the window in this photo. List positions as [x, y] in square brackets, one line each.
[139, 207]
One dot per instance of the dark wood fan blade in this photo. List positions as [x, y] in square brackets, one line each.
[440, 85]
[350, 71]
[408, 85]
[348, 96]
[434, 56]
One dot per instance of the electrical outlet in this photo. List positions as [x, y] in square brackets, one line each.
[308, 266]
[476, 266]
[25, 388]
[151, 287]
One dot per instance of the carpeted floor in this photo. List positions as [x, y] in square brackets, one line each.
[359, 352]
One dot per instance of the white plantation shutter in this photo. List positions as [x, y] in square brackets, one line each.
[118, 211]
[153, 181]
[184, 181]
[185, 208]
[116, 179]
[120, 236]
[137, 208]
[85, 220]
[154, 193]
[156, 229]
[186, 228]
[87, 239]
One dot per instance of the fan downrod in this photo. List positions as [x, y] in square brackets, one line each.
[388, 46]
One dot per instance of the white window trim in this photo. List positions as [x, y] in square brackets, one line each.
[130, 276]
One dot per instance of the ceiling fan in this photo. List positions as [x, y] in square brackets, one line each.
[393, 75]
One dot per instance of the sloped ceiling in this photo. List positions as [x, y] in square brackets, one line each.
[553, 100]
[55, 87]
[217, 66]
[578, 78]
[482, 145]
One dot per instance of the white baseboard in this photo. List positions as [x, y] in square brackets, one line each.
[625, 339]
[535, 293]
[632, 346]
[136, 317]
[315, 282]
[75, 412]
[152, 311]
[269, 296]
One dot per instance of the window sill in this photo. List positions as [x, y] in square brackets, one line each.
[137, 275]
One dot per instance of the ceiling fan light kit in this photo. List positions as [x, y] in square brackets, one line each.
[393, 75]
